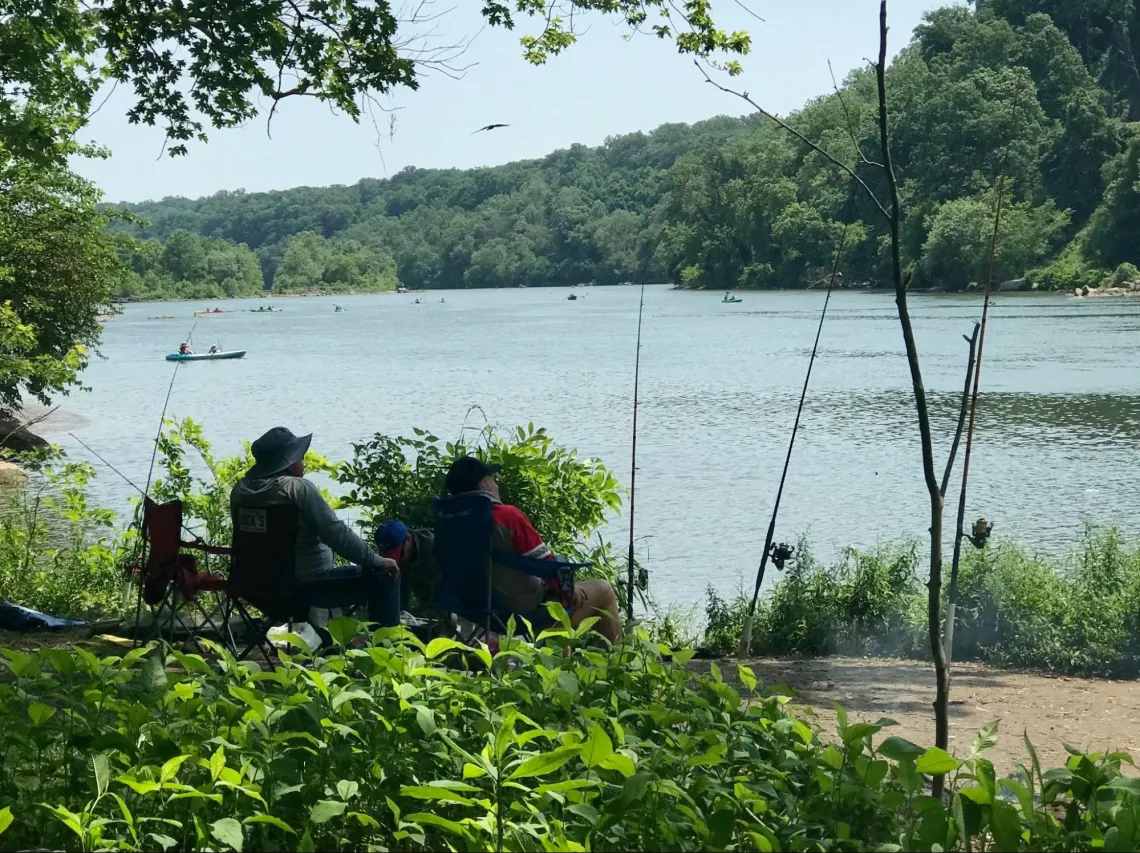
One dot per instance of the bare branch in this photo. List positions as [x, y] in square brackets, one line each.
[850, 122]
[749, 11]
[813, 146]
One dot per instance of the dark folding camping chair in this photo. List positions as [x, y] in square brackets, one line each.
[263, 573]
[169, 581]
[463, 555]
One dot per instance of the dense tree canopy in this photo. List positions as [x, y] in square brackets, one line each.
[732, 202]
[57, 266]
[193, 63]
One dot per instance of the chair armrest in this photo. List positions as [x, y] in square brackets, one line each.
[543, 569]
[216, 550]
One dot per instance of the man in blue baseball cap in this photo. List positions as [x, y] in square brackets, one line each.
[414, 552]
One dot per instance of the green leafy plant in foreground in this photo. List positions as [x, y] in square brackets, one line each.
[401, 746]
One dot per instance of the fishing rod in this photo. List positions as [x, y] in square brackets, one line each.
[162, 417]
[149, 474]
[633, 466]
[982, 532]
[781, 553]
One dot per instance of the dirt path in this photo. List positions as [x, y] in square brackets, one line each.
[1090, 715]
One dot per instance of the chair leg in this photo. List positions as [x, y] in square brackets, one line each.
[260, 636]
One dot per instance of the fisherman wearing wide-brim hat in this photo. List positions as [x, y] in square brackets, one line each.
[278, 477]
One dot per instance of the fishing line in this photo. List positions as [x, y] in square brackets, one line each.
[633, 468]
[746, 634]
[162, 418]
[952, 595]
[123, 476]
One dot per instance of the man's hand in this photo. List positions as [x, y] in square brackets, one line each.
[388, 567]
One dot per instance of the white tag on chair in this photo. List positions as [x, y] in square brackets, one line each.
[251, 520]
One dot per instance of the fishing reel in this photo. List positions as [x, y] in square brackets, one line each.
[642, 581]
[780, 553]
[980, 535]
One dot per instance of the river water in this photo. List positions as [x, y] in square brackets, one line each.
[1057, 422]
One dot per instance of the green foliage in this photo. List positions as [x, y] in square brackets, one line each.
[1124, 274]
[312, 264]
[870, 603]
[185, 266]
[57, 265]
[388, 748]
[1114, 226]
[567, 498]
[731, 203]
[1080, 616]
[724, 622]
[58, 554]
[190, 62]
[957, 250]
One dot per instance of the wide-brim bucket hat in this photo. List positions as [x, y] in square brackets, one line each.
[276, 450]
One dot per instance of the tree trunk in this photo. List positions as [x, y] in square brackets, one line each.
[934, 584]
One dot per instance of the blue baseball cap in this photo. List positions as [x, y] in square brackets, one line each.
[389, 538]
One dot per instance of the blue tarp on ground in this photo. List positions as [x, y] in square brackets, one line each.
[13, 617]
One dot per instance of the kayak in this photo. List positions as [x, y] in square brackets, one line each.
[266, 310]
[730, 301]
[208, 313]
[206, 356]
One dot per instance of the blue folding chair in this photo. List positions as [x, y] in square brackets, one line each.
[463, 555]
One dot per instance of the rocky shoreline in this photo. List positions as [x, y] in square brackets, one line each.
[1128, 288]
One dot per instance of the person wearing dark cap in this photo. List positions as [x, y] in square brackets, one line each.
[413, 550]
[517, 591]
[278, 477]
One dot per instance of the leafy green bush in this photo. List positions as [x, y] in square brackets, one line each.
[1080, 616]
[566, 497]
[1124, 274]
[386, 748]
[57, 554]
[869, 603]
[724, 622]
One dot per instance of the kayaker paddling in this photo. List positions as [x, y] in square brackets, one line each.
[185, 349]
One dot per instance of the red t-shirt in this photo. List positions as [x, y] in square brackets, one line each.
[525, 540]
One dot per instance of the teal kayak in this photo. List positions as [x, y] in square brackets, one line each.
[206, 356]
[731, 301]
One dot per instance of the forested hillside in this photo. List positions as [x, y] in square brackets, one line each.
[1049, 92]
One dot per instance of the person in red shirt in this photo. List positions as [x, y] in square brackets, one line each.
[517, 591]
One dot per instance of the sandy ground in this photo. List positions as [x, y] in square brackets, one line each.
[1089, 715]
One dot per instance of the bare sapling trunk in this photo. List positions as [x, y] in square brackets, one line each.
[933, 488]
[891, 214]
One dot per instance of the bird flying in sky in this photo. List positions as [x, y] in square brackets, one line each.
[489, 127]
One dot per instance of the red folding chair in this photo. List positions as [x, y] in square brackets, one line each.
[169, 581]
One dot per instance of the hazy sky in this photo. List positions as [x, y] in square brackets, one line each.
[602, 86]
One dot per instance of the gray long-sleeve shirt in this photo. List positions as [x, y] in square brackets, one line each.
[320, 533]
